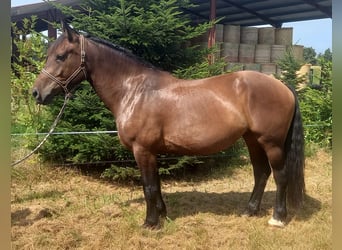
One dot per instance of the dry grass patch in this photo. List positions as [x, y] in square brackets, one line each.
[60, 208]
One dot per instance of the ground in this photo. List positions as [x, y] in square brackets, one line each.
[63, 208]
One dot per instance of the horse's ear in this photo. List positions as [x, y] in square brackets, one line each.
[68, 30]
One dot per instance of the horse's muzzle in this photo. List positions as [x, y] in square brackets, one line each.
[39, 97]
[36, 95]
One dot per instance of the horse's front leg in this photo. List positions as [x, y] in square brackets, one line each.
[155, 206]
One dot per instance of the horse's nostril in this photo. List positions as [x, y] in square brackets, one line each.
[35, 93]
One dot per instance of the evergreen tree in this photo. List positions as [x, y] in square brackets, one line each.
[310, 55]
[290, 66]
[327, 55]
[157, 31]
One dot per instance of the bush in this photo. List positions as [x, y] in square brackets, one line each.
[316, 108]
[315, 101]
[26, 64]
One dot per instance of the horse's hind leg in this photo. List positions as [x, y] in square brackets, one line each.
[262, 171]
[155, 206]
[276, 158]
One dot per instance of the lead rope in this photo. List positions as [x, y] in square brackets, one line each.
[67, 97]
[64, 85]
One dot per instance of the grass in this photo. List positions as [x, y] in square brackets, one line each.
[61, 208]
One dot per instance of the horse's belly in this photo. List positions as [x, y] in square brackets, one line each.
[204, 129]
[204, 142]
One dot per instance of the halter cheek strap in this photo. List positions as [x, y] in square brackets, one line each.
[64, 83]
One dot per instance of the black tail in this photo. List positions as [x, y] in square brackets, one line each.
[295, 160]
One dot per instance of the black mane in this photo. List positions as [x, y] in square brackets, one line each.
[120, 49]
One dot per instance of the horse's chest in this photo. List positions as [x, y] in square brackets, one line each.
[138, 128]
[126, 132]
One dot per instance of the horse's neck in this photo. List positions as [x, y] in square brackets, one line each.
[114, 76]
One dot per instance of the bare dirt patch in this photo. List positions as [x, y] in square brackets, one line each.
[60, 208]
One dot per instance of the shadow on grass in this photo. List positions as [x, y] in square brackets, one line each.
[210, 169]
[27, 216]
[183, 204]
[171, 167]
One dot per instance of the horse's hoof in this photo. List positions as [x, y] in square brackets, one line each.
[151, 227]
[249, 213]
[276, 223]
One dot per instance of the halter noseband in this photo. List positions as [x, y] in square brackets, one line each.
[81, 68]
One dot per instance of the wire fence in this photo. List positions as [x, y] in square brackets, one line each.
[68, 133]
[115, 131]
[19, 150]
[16, 138]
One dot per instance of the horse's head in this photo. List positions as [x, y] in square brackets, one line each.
[64, 68]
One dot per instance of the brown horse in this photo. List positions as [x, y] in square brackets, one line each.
[158, 113]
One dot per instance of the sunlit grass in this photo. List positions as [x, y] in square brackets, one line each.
[61, 208]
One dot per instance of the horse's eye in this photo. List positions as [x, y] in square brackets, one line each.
[61, 57]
